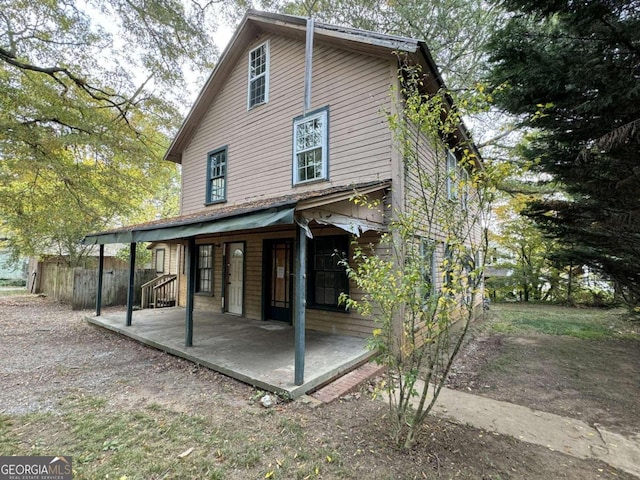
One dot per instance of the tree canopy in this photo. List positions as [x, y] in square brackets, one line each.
[88, 95]
[455, 30]
[570, 72]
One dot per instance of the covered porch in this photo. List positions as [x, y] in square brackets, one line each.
[260, 353]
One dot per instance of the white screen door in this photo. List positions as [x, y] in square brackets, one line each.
[235, 254]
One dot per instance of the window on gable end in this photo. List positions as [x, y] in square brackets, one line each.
[217, 176]
[452, 176]
[258, 76]
[310, 147]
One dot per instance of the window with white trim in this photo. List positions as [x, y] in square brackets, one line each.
[310, 147]
[452, 176]
[258, 76]
[159, 260]
[217, 176]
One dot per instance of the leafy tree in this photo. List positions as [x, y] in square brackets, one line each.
[423, 282]
[521, 249]
[455, 30]
[87, 101]
[569, 70]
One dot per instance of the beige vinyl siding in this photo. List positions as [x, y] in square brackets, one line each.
[323, 320]
[432, 163]
[170, 257]
[432, 158]
[354, 87]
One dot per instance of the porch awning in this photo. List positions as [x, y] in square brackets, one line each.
[182, 229]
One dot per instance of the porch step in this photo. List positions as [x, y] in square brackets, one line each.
[347, 383]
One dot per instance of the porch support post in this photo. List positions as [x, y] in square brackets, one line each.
[191, 287]
[300, 302]
[132, 277]
[100, 274]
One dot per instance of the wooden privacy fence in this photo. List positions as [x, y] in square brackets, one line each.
[79, 286]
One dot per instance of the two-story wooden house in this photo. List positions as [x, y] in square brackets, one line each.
[289, 125]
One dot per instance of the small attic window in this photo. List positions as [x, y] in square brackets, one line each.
[258, 76]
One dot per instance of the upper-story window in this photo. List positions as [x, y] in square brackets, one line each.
[452, 176]
[258, 76]
[217, 176]
[464, 186]
[310, 147]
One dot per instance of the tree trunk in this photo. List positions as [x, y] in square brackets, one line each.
[570, 285]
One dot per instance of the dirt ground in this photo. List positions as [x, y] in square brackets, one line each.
[49, 355]
[597, 382]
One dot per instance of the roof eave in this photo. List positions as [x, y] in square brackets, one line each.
[174, 152]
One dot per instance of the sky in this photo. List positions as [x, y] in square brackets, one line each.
[222, 36]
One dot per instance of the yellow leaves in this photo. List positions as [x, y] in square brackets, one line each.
[270, 474]
[541, 109]
[329, 459]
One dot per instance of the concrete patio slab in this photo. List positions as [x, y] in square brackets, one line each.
[260, 353]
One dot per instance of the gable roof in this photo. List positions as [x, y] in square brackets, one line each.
[256, 22]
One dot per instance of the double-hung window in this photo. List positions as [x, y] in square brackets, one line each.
[310, 147]
[452, 176]
[258, 76]
[427, 267]
[327, 277]
[448, 266]
[464, 186]
[204, 272]
[217, 176]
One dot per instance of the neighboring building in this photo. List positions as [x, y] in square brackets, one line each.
[43, 269]
[272, 152]
[10, 270]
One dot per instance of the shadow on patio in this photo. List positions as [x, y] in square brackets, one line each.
[256, 352]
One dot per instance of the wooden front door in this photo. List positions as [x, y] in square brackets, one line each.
[278, 260]
[235, 280]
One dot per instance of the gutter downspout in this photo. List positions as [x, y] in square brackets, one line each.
[300, 302]
[308, 66]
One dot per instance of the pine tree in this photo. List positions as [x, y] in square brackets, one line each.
[571, 71]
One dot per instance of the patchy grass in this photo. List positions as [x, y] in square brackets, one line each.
[587, 324]
[151, 442]
[11, 291]
[125, 411]
[575, 362]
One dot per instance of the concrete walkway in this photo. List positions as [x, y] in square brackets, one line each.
[563, 434]
[567, 435]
